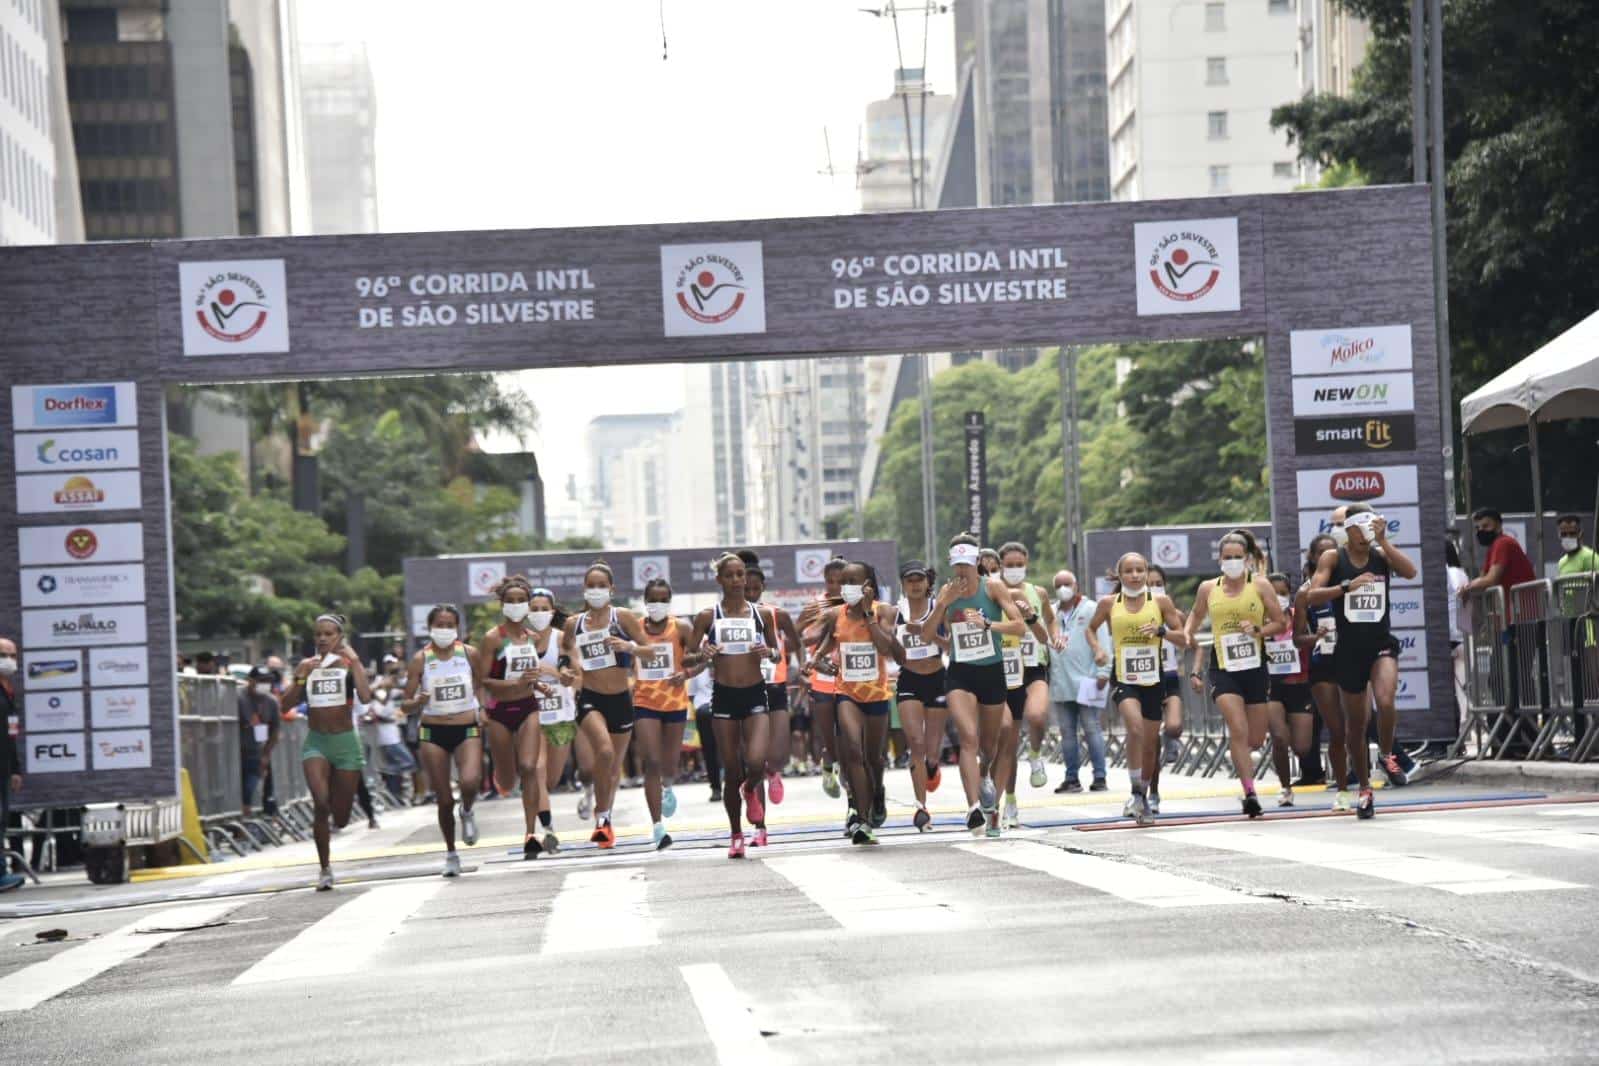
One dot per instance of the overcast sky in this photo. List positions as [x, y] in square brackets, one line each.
[527, 113]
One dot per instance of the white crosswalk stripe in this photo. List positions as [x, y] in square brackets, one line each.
[1498, 832]
[344, 941]
[601, 910]
[1571, 810]
[28, 987]
[1127, 880]
[727, 1020]
[1387, 864]
[864, 899]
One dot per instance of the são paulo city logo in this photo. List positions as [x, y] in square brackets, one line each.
[710, 288]
[232, 306]
[1185, 266]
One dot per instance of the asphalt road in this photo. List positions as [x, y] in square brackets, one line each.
[1441, 935]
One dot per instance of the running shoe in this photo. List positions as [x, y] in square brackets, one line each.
[1141, 810]
[830, 782]
[531, 847]
[597, 836]
[1099, 785]
[879, 812]
[657, 834]
[468, 827]
[991, 830]
[452, 865]
[1252, 805]
[668, 801]
[1285, 798]
[974, 820]
[759, 840]
[1130, 808]
[735, 849]
[1396, 775]
[324, 880]
[935, 777]
[987, 794]
[607, 835]
[552, 843]
[774, 787]
[716, 795]
[863, 834]
[1343, 802]
[1171, 750]
[922, 820]
[1013, 817]
[1071, 784]
[1367, 806]
[1153, 799]
[585, 804]
[372, 822]
[752, 803]
[1038, 778]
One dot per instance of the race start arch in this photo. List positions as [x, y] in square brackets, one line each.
[1339, 283]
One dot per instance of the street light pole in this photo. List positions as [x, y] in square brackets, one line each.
[929, 508]
[1440, 261]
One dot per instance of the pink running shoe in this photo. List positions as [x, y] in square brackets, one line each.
[752, 803]
[760, 837]
[735, 850]
[774, 786]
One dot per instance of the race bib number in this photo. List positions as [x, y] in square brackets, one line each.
[261, 733]
[735, 636]
[1327, 641]
[326, 687]
[1139, 664]
[1012, 658]
[860, 662]
[556, 709]
[1368, 603]
[768, 671]
[1029, 649]
[916, 647]
[1239, 651]
[449, 695]
[594, 650]
[1282, 658]
[972, 642]
[657, 662]
[519, 659]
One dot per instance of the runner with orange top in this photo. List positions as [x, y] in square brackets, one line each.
[660, 703]
[824, 683]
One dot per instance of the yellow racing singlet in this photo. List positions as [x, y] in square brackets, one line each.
[1137, 655]
[1235, 650]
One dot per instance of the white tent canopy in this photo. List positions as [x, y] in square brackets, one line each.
[1558, 381]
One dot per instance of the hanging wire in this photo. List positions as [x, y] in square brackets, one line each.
[662, 10]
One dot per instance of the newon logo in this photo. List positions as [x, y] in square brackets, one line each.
[1346, 395]
[1186, 267]
[1355, 433]
[709, 289]
[74, 406]
[48, 452]
[234, 307]
[110, 542]
[1357, 350]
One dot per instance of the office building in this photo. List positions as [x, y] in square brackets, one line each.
[1192, 88]
[38, 174]
[887, 179]
[1332, 45]
[340, 108]
[811, 436]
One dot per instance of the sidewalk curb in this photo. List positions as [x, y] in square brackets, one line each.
[1538, 776]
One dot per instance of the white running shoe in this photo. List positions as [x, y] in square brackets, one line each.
[585, 805]
[1012, 818]
[324, 880]
[468, 827]
[1343, 802]
[1285, 798]
[830, 781]
[1141, 810]
[1130, 808]
[1153, 800]
[452, 865]
[987, 794]
[1038, 778]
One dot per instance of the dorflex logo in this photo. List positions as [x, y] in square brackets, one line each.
[72, 407]
[234, 307]
[713, 288]
[105, 450]
[1355, 433]
[1344, 395]
[1358, 350]
[1187, 267]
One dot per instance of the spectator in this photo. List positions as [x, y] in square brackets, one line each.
[205, 664]
[1576, 557]
[10, 765]
[1067, 671]
[1506, 566]
[395, 761]
[1459, 620]
[259, 723]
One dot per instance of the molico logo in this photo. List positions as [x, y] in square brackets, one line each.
[1356, 486]
[713, 288]
[1359, 350]
[234, 307]
[1187, 267]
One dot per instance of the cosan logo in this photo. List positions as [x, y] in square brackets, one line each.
[53, 456]
[1350, 393]
[1356, 485]
[85, 624]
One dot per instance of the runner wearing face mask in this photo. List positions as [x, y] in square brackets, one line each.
[823, 683]
[602, 642]
[920, 689]
[557, 707]
[1026, 658]
[442, 684]
[1171, 677]
[1243, 610]
[1316, 631]
[660, 702]
[775, 672]
[1288, 709]
[515, 684]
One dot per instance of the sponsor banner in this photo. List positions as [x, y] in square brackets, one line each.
[809, 563]
[1412, 649]
[482, 578]
[73, 626]
[50, 586]
[976, 476]
[117, 490]
[119, 708]
[1187, 267]
[1377, 485]
[111, 449]
[74, 406]
[1347, 395]
[1404, 526]
[419, 619]
[52, 669]
[713, 288]
[108, 542]
[119, 666]
[1406, 608]
[234, 307]
[647, 568]
[1412, 694]
[1170, 550]
[1410, 582]
[1355, 433]
[52, 712]
[54, 753]
[121, 749]
[1356, 350]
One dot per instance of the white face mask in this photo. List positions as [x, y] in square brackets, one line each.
[442, 638]
[514, 612]
[1131, 588]
[1014, 575]
[541, 620]
[262, 688]
[852, 593]
[1567, 544]
[597, 597]
[8, 666]
[1283, 602]
[1233, 567]
[1064, 593]
[657, 612]
[1340, 536]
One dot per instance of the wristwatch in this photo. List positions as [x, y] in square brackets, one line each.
[1160, 630]
[1344, 585]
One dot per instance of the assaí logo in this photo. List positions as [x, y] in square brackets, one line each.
[85, 625]
[79, 491]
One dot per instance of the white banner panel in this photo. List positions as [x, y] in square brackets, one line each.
[1412, 693]
[1404, 526]
[1412, 649]
[1380, 486]
[52, 712]
[119, 708]
[1315, 397]
[67, 586]
[71, 626]
[52, 669]
[1405, 608]
[121, 749]
[119, 666]
[53, 753]
[1355, 350]
[44, 453]
[99, 542]
[99, 406]
[1187, 266]
[117, 490]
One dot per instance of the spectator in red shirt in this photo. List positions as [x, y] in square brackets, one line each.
[1507, 564]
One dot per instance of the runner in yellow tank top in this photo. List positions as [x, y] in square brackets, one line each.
[1027, 661]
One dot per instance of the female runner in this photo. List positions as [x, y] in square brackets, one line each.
[557, 707]
[660, 700]
[1028, 700]
[1288, 687]
[1316, 629]
[516, 683]
[978, 610]
[603, 640]
[441, 682]
[775, 673]
[329, 682]
[922, 704]
[824, 684]
[1242, 607]
[1171, 678]
[736, 635]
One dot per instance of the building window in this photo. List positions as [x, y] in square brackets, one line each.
[1215, 18]
[1279, 7]
[1220, 179]
[1217, 122]
[1216, 70]
[1282, 170]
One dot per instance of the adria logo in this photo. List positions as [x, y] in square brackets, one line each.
[1357, 485]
